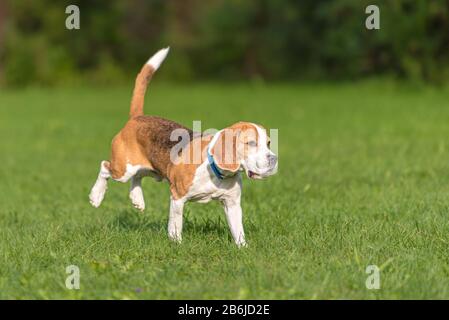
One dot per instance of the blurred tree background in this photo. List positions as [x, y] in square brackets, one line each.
[223, 39]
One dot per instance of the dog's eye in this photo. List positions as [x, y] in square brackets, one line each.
[252, 143]
[268, 144]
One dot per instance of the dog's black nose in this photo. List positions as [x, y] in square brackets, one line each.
[272, 159]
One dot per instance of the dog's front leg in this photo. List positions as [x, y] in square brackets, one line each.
[175, 219]
[234, 217]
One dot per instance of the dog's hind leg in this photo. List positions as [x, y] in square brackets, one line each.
[136, 193]
[127, 163]
[99, 189]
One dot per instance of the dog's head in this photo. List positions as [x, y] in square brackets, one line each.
[245, 146]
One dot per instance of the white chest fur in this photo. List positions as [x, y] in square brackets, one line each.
[206, 186]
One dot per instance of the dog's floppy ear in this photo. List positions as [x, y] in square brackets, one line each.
[225, 152]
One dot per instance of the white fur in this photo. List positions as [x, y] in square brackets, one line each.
[234, 217]
[135, 173]
[156, 60]
[99, 189]
[206, 187]
[136, 193]
[175, 219]
[130, 172]
[213, 141]
[258, 162]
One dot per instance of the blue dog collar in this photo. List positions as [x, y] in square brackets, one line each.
[214, 167]
[211, 160]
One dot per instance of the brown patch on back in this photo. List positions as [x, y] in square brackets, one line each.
[153, 134]
[145, 141]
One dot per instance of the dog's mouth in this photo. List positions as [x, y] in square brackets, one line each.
[253, 175]
[262, 175]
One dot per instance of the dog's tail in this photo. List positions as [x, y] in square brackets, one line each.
[142, 80]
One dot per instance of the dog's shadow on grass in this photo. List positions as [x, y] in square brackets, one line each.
[130, 220]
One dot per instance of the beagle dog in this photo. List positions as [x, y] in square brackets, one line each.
[146, 147]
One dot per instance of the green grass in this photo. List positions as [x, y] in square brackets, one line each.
[363, 179]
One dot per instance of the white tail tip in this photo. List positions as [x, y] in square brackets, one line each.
[157, 59]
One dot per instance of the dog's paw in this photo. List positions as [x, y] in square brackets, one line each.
[241, 243]
[137, 199]
[96, 197]
[176, 238]
[139, 206]
[95, 202]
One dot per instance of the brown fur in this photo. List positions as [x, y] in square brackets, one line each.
[225, 154]
[145, 141]
[140, 87]
[181, 175]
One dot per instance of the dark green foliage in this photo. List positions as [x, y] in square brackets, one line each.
[223, 39]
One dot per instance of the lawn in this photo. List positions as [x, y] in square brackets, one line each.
[363, 180]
